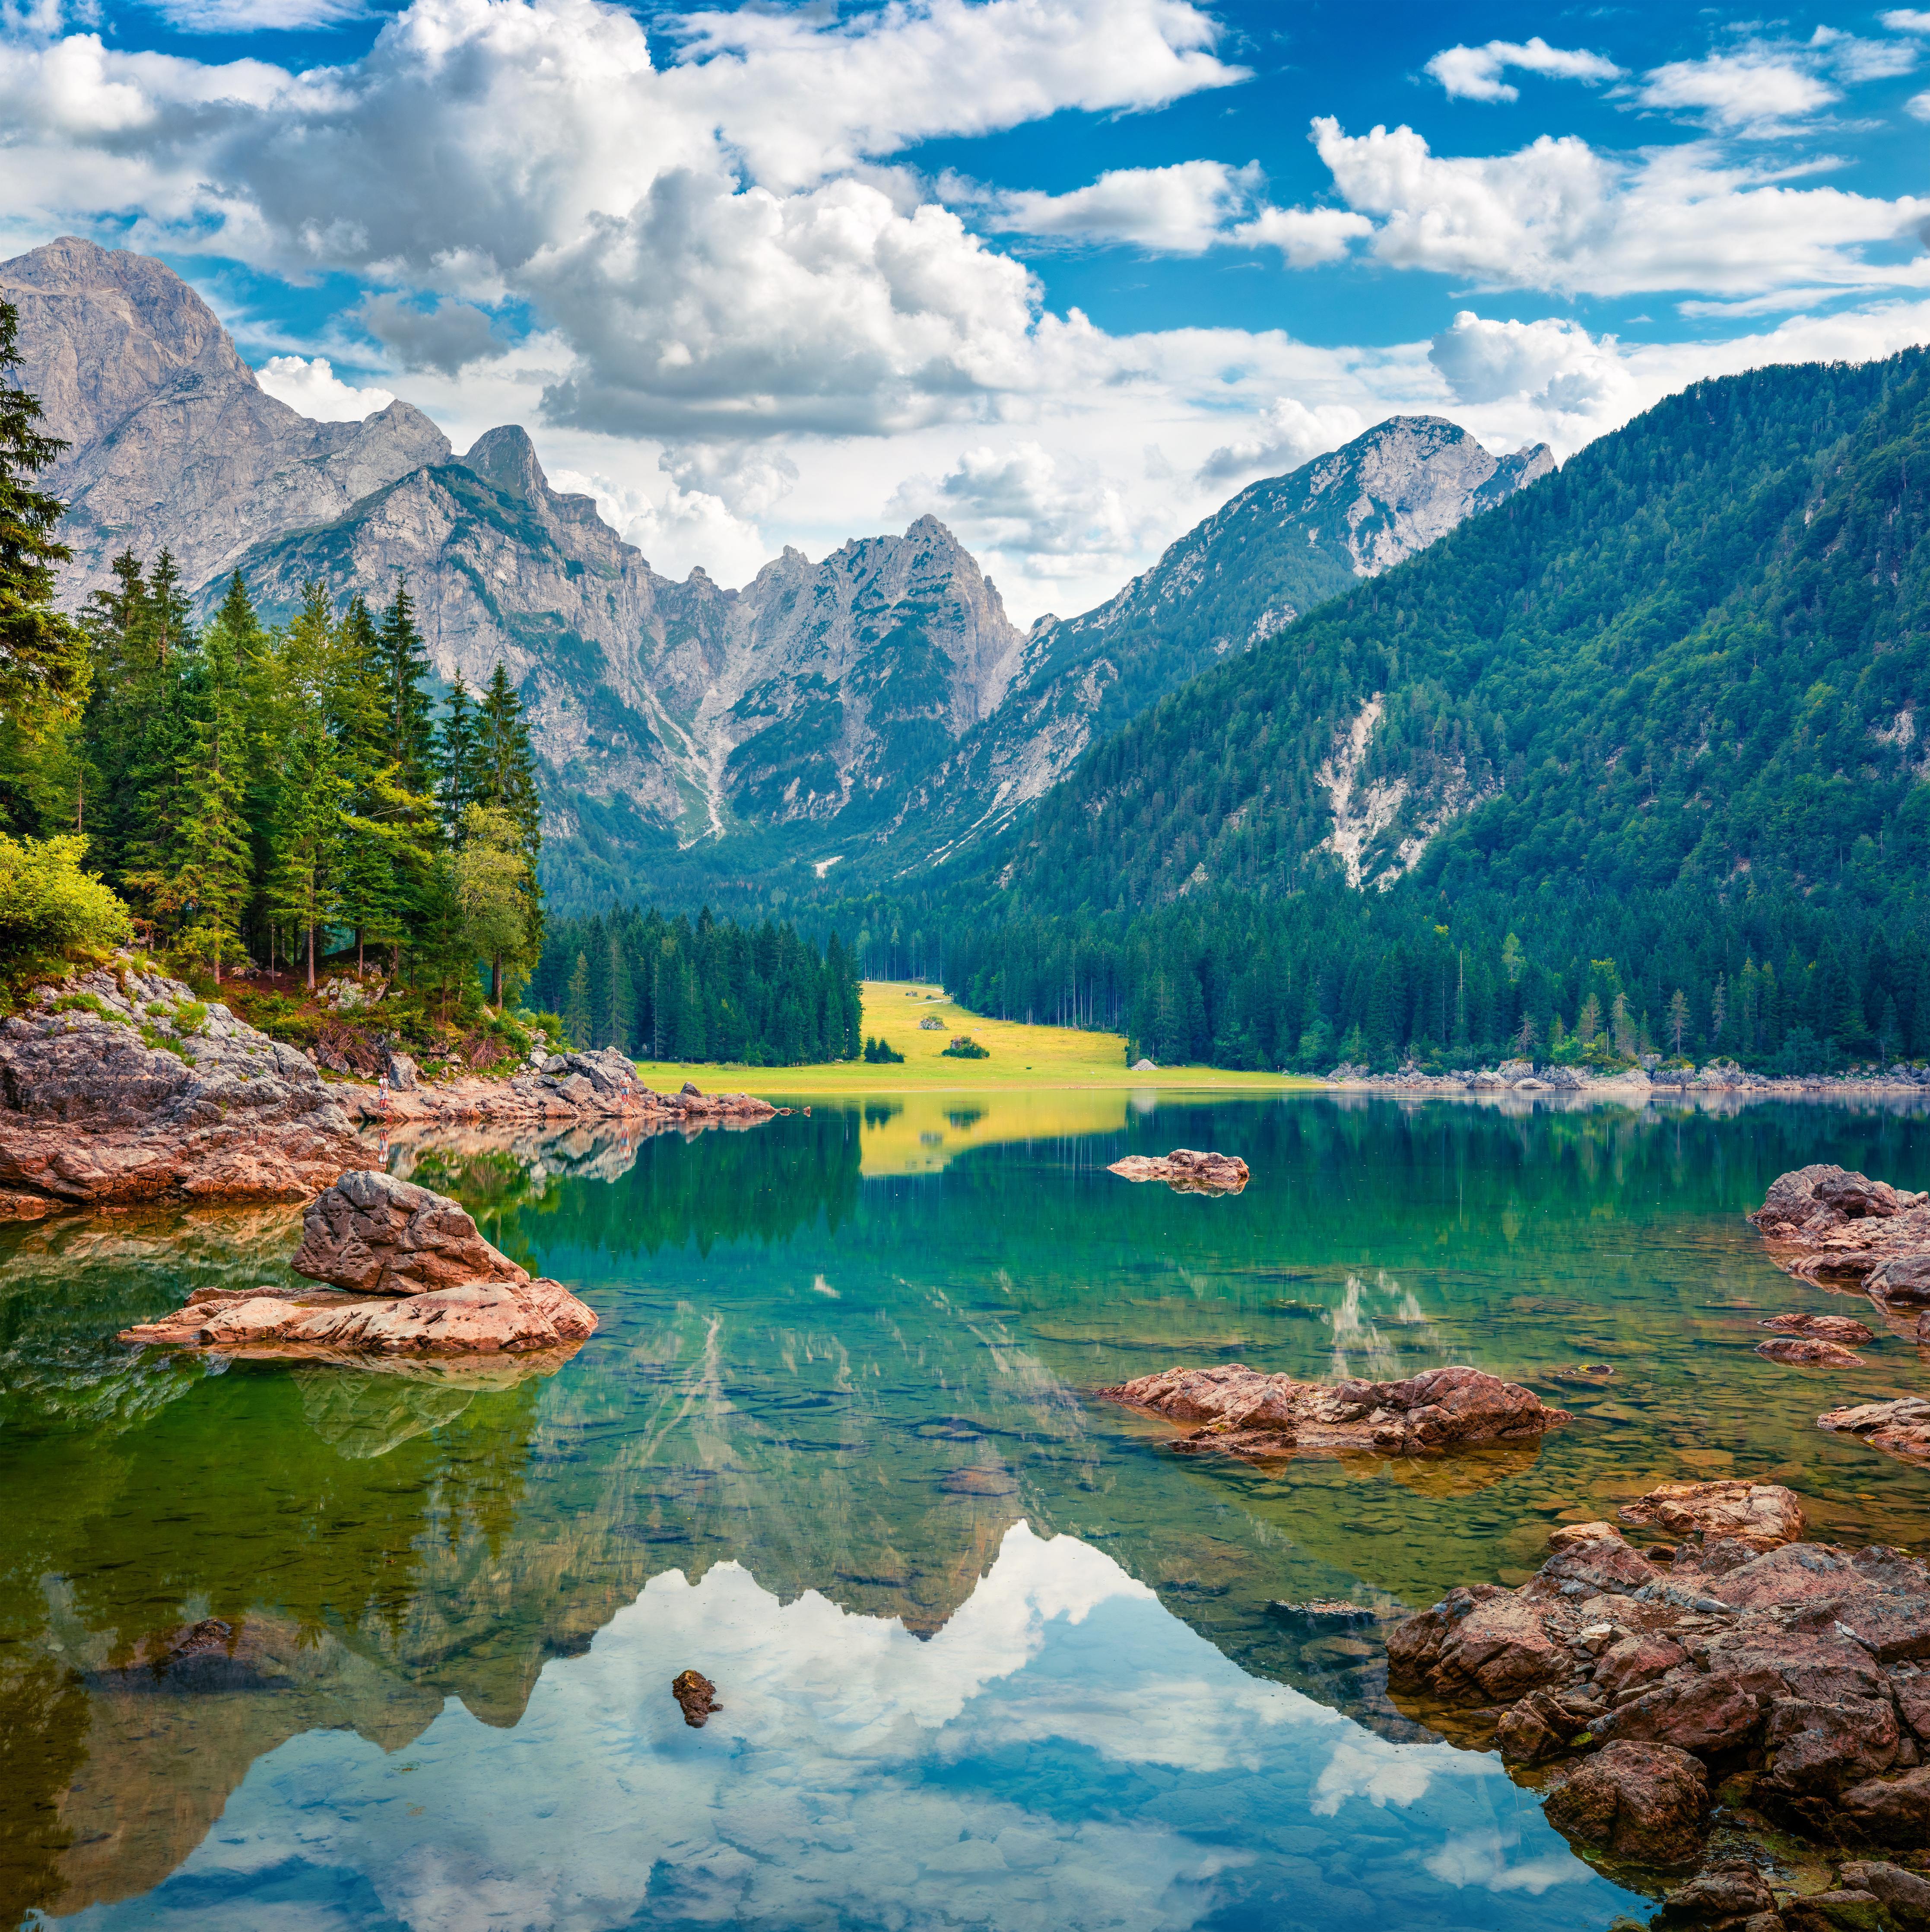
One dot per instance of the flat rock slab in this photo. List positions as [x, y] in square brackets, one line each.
[1246, 1412]
[1837, 1328]
[1899, 1428]
[481, 1318]
[1808, 1351]
[1186, 1170]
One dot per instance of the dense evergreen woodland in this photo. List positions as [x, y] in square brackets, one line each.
[664, 989]
[1664, 708]
[235, 792]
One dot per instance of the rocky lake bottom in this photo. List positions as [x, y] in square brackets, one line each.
[316, 1647]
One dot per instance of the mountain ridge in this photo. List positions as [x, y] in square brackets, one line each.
[874, 710]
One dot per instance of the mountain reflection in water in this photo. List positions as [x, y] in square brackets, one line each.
[977, 1640]
[1064, 1752]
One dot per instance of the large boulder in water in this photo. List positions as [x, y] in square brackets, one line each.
[1649, 1803]
[374, 1234]
[411, 1275]
[1186, 1170]
[1252, 1414]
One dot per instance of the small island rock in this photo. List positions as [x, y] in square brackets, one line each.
[411, 1276]
[1186, 1170]
[1898, 1428]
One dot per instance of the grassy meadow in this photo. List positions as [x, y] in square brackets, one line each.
[1018, 1056]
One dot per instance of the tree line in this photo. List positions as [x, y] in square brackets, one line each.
[670, 989]
[1775, 981]
[239, 793]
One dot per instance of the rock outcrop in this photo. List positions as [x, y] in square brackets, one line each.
[1898, 1428]
[120, 1086]
[1801, 1664]
[1764, 1516]
[1837, 1328]
[696, 1697]
[408, 1274]
[1827, 1223]
[1186, 1171]
[1248, 1413]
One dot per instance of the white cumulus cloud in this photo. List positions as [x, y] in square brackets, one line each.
[1561, 216]
[1475, 74]
[312, 386]
[1285, 435]
[1179, 210]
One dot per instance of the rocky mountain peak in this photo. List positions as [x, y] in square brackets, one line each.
[507, 458]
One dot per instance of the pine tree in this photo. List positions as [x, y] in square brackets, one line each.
[403, 671]
[576, 1006]
[43, 654]
[458, 778]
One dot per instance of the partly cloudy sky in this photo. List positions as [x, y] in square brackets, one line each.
[1066, 272]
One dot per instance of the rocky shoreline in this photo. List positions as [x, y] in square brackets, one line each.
[1735, 1668]
[120, 1088]
[1723, 1080]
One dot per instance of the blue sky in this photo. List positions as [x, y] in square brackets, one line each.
[1065, 271]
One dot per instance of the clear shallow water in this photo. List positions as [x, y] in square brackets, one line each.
[988, 1653]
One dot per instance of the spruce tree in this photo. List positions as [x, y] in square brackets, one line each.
[43, 655]
[576, 1005]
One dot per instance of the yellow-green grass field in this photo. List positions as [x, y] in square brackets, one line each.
[1020, 1056]
[1038, 1082]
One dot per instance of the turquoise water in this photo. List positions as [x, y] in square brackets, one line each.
[988, 1653]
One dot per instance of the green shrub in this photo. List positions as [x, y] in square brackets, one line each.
[966, 1048]
[49, 908]
[878, 1053]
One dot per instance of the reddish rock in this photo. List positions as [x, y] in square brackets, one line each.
[1892, 1811]
[1826, 1222]
[1252, 1414]
[1838, 1328]
[1481, 1644]
[1572, 1535]
[1801, 1348]
[696, 1697]
[1186, 1171]
[1725, 1892]
[378, 1238]
[1762, 1515]
[1647, 1802]
[374, 1234]
[1633, 1661]
[1898, 1428]
[1904, 1894]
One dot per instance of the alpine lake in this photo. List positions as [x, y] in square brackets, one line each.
[305, 1648]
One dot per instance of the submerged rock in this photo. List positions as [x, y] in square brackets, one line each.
[1800, 1663]
[1898, 1428]
[1186, 1170]
[1251, 1414]
[416, 1278]
[120, 1086]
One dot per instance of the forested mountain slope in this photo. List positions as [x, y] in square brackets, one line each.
[1272, 553]
[1696, 655]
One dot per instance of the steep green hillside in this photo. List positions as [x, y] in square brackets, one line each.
[1697, 654]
